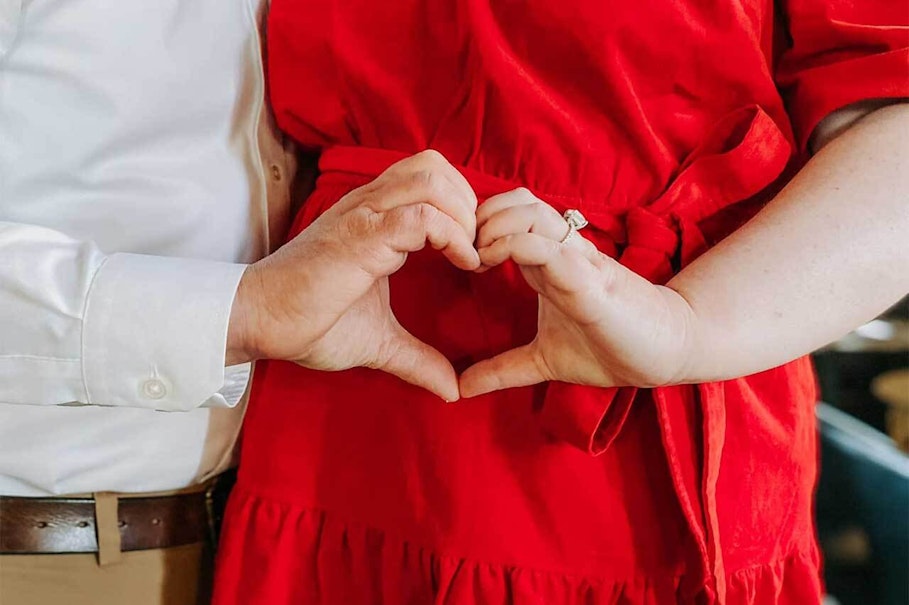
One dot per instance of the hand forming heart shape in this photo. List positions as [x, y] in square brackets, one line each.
[322, 300]
[599, 323]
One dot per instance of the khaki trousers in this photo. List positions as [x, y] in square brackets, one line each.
[181, 575]
[167, 576]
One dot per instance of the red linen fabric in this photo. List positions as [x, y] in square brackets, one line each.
[664, 124]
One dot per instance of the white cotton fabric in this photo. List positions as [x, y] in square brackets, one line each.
[131, 195]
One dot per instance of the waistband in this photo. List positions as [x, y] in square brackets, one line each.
[107, 521]
[341, 164]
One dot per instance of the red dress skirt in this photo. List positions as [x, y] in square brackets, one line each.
[664, 123]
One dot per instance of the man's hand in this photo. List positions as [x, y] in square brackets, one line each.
[322, 300]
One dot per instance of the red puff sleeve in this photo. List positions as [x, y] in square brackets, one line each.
[841, 52]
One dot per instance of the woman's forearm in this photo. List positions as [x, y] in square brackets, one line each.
[830, 252]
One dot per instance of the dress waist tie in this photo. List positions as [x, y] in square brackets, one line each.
[744, 154]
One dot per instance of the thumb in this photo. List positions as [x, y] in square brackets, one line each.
[414, 361]
[515, 368]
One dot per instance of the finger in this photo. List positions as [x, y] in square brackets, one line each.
[493, 252]
[578, 285]
[414, 361]
[426, 178]
[427, 160]
[539, 218]
[456, 178]
[408, 228]
[515, 368]
[497, 203]
[563, 267]
[529, 249]
[430, 159]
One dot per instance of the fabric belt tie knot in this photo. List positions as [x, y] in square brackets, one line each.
[652, 244]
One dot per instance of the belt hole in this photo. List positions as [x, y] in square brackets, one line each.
[82, 524]
[156, 521]
[41, 524]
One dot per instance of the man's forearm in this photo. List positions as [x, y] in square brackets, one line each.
[829, 253]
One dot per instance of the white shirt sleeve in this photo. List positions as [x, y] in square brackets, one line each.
[79, 326]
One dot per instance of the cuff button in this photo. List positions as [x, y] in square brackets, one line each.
[154, 389]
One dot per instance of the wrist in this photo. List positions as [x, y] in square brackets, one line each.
[689, 349]
[241, 332]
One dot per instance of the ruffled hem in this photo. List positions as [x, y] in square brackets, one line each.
[274, 553]
[788, 581]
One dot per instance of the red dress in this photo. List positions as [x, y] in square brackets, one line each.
[663, 122]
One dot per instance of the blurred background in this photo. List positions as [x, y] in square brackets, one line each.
[863, 491]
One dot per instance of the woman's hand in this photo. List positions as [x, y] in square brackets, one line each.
[322, 300]
[599, 323]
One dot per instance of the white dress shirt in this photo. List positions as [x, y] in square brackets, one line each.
[132, 191]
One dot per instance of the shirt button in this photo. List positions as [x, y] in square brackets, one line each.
[275, 172]
[154, 389]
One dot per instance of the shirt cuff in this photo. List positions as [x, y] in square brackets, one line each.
[236, 379]
[155, 331]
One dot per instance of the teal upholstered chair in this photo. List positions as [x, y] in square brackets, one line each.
[864, 487]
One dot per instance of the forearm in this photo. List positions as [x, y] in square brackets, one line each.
[830, 252]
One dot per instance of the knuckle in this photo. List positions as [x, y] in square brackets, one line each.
[353, 224]
[538, 213]
[396, 220]
[410, 218]
[610, 279]
[432, 157]
[524, 194]
[359, 231]
[426, 214]
[508, 241]
[426, 180]
[541, 208]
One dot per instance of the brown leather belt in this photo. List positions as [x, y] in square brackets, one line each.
[67, 525]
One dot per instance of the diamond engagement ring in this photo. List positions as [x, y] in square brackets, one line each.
[576, 222]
